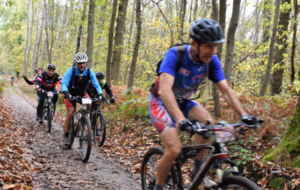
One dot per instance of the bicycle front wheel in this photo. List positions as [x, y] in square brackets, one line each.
[99, 129]
[85, 138]
[49, 117]
[149, 169]
[238, 182]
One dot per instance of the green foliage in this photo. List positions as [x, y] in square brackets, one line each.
[276, 182]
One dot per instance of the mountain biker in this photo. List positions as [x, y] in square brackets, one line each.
[46, 81]
[11, 78]
[32, 82]
[74, 83]
[170, 101]
[92, 92]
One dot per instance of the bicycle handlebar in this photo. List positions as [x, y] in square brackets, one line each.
[97, 100]
[46, 91]
[204, 129]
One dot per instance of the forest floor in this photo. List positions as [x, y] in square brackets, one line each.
[130, 134]
[33, 158]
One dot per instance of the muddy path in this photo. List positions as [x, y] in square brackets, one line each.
[61, 168]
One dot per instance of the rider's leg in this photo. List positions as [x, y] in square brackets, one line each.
[54, 100]
[40, 106]
[70, 110]
[169, 136]
[198, 112]
[172, 146]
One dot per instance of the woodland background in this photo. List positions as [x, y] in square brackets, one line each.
[126, 38]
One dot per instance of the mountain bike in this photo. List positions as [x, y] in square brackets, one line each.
[81, 127]
[49, 108]
[98, 122]
[218, 155]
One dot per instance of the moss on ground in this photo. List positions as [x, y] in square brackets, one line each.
[276, 182]
[289, 146]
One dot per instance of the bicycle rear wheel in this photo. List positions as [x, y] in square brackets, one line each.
[49, 118]
[101, 127]
[85, 138]
[238, 182]
[149, 169]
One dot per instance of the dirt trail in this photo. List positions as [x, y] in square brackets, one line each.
[62, 168]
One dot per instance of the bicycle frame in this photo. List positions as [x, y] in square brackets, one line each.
[218, 152]
[82, 111]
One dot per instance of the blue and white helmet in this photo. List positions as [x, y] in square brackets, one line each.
[80, 57]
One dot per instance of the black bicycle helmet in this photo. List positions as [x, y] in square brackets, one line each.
[100, 75]
[205, 30]
[51, 66]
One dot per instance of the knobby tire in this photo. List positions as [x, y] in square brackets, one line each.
[72, 133]
[83, 120]
[238, 181]
[101, 127]
[49, 118]
[147, 156]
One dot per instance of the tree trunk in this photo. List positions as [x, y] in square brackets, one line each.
[52, 27]
[36, 33]
[294, 42]
[110, 41]
[78, 38]
[30, 36]
[120, 30]
[222, 22]
[37, 49]
[90, 37]
[281, 49]
[191, 11]
[215, 12]
[181, 19]
[230, 39]
[267, 19]
[136, 47]
[26, 41]
[64, 37]
[46, 34]
[271, 49]
[287, 151]
[196, 10]
[59, 30]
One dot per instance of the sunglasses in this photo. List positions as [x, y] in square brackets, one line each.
[81, 63]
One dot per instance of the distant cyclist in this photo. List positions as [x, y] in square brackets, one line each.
[11, 79]
[170, 103]
[74, 83]
[92, 92]
[46, 81]
[32, 82]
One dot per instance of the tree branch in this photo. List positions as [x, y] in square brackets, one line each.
[165, 19]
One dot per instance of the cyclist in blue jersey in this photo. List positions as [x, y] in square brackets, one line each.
[74, 83]
[170, 102]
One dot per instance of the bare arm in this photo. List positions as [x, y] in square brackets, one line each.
[166, 81]
[230, 97]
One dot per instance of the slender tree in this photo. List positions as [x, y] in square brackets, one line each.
[26, 41]
[110, 41]
[296, 9]
[230, 39]
[281, 47]
[90, 37]
[271, 49]
[61, 22]
[181, 18]
[120, 30]
[36, 53]
[30, 35]
[64, 38]
[136, 47]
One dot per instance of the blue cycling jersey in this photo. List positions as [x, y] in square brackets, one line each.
[191, 73]
[76, 85]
